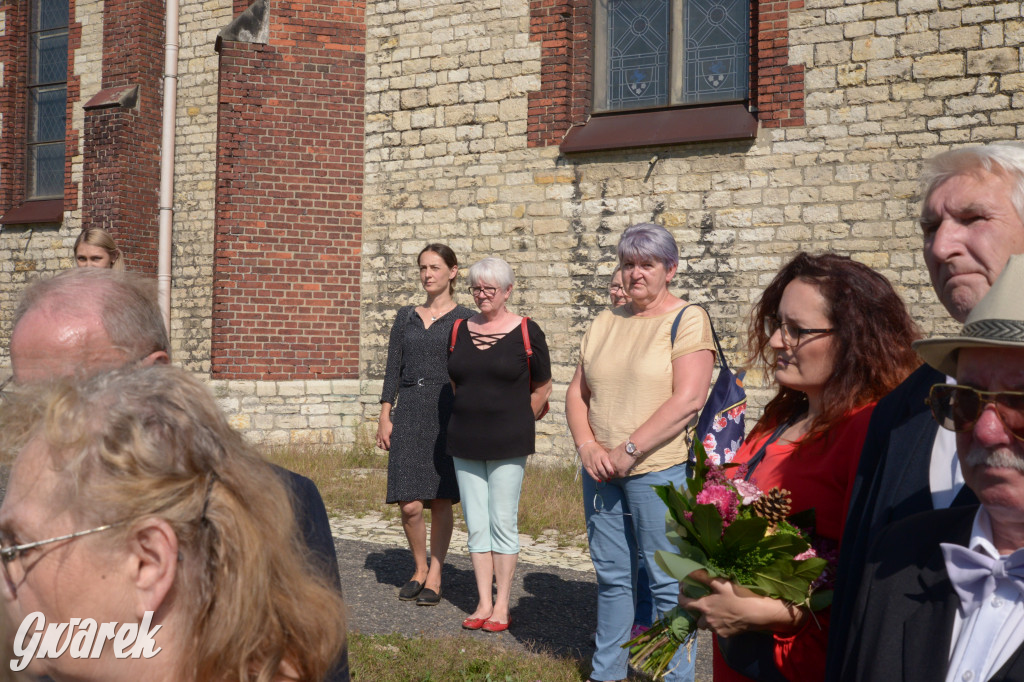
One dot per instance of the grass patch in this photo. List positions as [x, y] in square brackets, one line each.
[394, 658]
[552, 499]
[353, 481]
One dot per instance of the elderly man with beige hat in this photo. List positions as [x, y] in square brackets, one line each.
[942, 594]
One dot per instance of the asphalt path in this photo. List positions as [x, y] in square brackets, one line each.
[553, 609]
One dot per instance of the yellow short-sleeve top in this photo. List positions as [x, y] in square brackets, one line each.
[627, 363]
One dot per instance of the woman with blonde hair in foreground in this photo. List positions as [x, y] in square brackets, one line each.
[129, 495]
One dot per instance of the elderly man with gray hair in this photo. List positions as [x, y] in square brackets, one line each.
[87, 321]
[942, 595]
[972, 220]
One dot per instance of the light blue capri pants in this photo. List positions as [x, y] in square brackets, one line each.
[490, 502]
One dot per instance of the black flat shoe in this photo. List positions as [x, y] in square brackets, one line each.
[429, 598]
[410, 590]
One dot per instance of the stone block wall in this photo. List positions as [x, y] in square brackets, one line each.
[885, 85]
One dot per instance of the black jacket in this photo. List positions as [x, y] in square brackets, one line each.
[903, 616]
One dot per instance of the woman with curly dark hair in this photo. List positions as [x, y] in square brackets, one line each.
[838, 338]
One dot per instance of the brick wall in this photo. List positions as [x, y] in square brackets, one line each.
[289, 198]
[121, 180]
[778, 85]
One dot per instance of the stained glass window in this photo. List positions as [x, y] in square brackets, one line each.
[716, 56]
[638, 34]
[656, 53]
[47, 97]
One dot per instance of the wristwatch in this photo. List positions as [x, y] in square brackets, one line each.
[632, 450]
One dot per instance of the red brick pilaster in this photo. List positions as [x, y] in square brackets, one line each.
[121, 179]
[780, 86]
[289, 196]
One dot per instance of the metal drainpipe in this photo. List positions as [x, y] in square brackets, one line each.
[167, 162]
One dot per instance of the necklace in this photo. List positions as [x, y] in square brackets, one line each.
[433, 317]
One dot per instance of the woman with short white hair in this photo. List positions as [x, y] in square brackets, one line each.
[501, 374]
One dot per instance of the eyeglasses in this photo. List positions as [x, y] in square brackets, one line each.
[958, 408]
[790, 333]
[616, 287]
[9, 554]
[484, 291]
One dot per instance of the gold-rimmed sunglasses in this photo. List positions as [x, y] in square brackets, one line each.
[958, 408]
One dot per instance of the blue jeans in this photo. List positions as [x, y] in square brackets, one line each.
[621, 514]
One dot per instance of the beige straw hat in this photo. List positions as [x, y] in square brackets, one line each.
[997, 321]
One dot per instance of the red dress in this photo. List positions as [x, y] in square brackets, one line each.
[818, 474]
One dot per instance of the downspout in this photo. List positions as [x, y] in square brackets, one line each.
[167, 163]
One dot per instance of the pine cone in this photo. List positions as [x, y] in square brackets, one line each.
[774, 505]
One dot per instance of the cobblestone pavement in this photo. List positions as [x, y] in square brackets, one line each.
[554, 593]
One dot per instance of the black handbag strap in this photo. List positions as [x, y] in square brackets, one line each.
[759, 455]
[718, 346]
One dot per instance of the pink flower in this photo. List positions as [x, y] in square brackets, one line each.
[747, 490]
[737, 412]
[724, 500]
[720, 423]
[728, 455]
[809, 554]
[715, 474]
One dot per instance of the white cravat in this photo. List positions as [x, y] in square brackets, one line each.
[984, 639]
[944, 476]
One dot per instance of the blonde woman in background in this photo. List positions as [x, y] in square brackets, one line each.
[95, 248]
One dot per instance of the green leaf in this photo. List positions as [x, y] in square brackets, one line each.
[695, 590]
[820, 599]
[676, 566]
[810, 568]
[744, 534]
[778, 581]
[680, 623]
[691, 551]
[676, 502]
[707, 524]
[783, 543]
[694, 485]
[700, 468]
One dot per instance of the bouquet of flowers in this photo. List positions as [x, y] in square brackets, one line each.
[729, 528]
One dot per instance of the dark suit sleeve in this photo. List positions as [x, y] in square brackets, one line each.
[901, 618]
[311, 517]
[874, 483]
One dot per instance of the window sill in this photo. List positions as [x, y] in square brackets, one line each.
[35, 212]
[605, 132]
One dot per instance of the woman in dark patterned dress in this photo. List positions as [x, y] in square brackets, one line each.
[420, 473]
